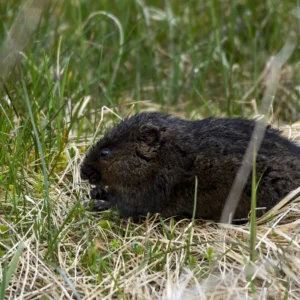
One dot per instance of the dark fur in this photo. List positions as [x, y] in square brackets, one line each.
[155, 157]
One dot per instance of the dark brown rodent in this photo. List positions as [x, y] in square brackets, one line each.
[149, 163]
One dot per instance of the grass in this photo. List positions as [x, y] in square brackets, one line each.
[81, 68]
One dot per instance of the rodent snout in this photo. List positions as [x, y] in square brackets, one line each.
[89, 173]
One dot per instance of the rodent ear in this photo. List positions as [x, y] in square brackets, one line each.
[149, 134]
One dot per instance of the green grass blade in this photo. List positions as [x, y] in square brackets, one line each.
[8, 273]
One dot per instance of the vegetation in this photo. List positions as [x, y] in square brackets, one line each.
[70, 70]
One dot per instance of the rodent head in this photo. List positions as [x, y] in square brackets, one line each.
[127, 156]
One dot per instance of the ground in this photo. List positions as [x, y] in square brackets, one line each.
[69, 71]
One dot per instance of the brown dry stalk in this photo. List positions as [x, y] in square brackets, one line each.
[19, 35]
[242, 176]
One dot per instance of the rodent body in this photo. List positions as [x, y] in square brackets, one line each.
[149, 163]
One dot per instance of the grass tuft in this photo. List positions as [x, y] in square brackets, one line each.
[74, 69]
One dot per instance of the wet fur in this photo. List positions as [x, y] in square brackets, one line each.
[155, 157]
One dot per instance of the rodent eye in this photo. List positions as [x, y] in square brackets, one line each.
[104, 152]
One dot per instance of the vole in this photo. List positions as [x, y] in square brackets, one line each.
[148, 164]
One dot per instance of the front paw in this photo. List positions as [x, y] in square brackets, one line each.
[98, 193]
[100, 205]
[97, 205]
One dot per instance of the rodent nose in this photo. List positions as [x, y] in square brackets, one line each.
[83, 174]
[89, 173]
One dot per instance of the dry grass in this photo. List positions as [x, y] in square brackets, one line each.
[103, 257]
[70, 253]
